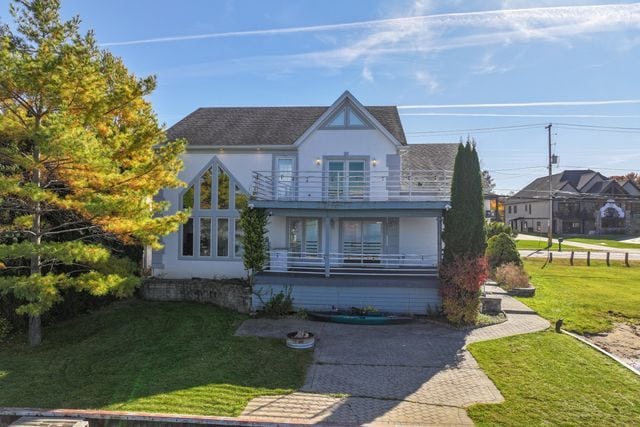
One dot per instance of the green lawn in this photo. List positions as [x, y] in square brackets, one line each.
[534, 245]
[154, 357]
[552, 379]
[606, 241]
[589, 299]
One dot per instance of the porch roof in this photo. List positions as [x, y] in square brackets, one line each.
[353, 209]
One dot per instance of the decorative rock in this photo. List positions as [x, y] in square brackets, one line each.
[491, 305]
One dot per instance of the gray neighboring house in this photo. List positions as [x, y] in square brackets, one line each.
[584, 202]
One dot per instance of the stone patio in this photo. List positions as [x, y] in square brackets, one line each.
[413, 374]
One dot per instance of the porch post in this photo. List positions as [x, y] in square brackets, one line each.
[326, 226]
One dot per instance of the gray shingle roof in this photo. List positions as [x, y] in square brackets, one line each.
[233, 126]
[569, 183]
[440, 156]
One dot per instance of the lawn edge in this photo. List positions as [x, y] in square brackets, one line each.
[601, 350]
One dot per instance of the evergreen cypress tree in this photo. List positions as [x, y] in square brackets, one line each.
[464, 225]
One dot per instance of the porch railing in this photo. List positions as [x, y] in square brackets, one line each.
[339, 263]
[353, 186]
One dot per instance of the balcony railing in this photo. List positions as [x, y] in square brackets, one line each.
[350, 264]
[337, 186]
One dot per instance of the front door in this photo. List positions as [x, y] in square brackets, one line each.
[362, 241]
[346, 179]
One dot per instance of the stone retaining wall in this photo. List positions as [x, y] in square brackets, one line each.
[232, 294]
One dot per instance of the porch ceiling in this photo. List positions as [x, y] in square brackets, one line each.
[353, 209]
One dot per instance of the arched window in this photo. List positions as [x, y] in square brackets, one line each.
[212, 231]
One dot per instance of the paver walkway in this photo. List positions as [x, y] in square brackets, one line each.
[413, 374]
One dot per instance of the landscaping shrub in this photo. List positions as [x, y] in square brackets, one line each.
[280, 304]
[501, 249]
[461, 282]
[511, 276]
[5, 328]
[496, 227]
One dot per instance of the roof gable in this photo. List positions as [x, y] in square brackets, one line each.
[347, 100]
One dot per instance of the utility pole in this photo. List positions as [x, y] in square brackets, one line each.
[550, 223]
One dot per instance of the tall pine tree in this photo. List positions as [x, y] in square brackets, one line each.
[464, 224]
[81, 154]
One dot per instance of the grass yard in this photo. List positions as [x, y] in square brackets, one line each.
[552, 379]
[534, 245]
[589, 299]
[606, 241]
[154, 357]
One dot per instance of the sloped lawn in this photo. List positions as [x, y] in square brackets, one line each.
[589, 299]
[552, 379]
[155, 357]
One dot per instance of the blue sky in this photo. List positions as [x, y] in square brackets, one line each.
[406, 53]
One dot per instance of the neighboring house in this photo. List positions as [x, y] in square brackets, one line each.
[355, 212]
[584, 202]
[494, 207]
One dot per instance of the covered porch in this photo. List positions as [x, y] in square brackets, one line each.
[342, 258]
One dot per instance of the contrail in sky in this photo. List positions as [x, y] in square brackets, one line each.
[521, 104]
[619, 12]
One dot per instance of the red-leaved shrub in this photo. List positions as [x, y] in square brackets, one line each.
[462, 279]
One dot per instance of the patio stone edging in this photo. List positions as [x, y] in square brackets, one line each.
[136, 418]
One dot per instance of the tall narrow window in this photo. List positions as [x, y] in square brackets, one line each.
[223, 237]
[336, 179]
[223, 189]
[205, 190]
[187, 198]
[284, 177]
[205, 236]
[238, 249]
[187, 238]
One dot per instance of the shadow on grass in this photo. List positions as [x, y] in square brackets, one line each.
[154, 357]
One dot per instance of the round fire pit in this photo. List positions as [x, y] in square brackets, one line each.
[300, 340]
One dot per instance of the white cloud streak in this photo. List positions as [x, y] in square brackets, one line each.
[522, 104]
[580, 116]
[526, 21]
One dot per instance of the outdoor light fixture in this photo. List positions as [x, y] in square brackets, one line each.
[318, 161]
[374, 162]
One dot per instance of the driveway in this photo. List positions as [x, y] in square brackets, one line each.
[413, 374]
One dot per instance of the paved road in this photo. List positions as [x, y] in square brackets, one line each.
[581, 245]
[414, 374]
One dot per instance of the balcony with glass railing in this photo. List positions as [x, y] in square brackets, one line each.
[352, 186]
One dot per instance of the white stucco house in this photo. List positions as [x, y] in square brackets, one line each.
[355, 212]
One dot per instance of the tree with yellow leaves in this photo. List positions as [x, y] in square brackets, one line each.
[81, 154]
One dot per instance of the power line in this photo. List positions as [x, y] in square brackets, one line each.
[596, 126]
[487, 129]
